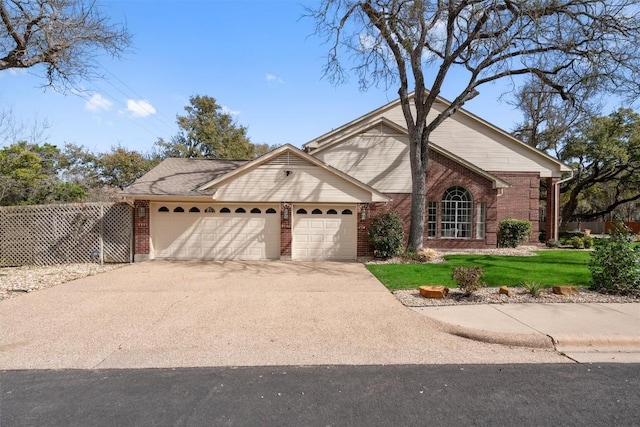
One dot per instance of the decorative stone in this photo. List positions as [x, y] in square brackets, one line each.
[433, 291]
[565, 290]
[504, 290]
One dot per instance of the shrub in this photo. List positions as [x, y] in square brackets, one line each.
[533, 288]
[386, 234]
[422, 255]
[588, 242]
[576, 242]
[615, 264]
[513, 232]
[553, 243]
[469, 279]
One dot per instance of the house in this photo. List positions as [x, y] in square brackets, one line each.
[316, 203]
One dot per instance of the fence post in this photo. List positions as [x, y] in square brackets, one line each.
[101, 238]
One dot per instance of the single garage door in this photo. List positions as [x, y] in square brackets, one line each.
[324, 232]
[215, 231]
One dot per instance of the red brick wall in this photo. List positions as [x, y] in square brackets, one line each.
[141, 227]
[521, 200]
[285, 230]
[443, 174]
[364, 250]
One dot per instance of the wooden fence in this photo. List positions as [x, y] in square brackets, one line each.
[66, 233]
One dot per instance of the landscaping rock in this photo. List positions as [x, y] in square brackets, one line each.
[565, 290]
[433, 291]
[504, 290]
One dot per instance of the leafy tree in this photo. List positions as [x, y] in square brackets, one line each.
[615, 264]
[206, 131]
[422, 45]
[117, 168]
[30, 174]
[605, 154]
[63, 35]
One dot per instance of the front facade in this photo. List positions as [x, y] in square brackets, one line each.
[316, 204]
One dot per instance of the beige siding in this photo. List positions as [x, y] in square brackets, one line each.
[377, 160]
[462, 135]
[305, 183]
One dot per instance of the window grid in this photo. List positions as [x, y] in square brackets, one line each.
[432, 218]
[456, 214]
[481, 217]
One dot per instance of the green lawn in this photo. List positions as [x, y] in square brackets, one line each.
[555, 267]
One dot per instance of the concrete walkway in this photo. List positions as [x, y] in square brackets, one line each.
[584, 332]
[190, 314]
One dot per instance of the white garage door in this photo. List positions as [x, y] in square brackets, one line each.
[324, 232]
[215, 231]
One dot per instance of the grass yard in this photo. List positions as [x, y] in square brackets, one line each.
[556, 267]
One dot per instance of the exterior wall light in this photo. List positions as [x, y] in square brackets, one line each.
[285, 213]
[363, 214]
[141, 212]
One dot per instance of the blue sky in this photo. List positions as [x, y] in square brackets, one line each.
[258, 58]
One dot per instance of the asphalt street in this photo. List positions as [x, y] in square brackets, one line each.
[550, 394]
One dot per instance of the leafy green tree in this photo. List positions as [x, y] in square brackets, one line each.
[206, 131]
[117, 168]
[605, 154]
[427, 45]
[62, 35]
[30, 174]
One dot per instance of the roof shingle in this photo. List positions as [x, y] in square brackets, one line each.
[181, 177]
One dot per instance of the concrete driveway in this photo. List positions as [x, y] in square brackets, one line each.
[180, 314]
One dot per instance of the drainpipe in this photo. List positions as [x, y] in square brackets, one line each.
[556, 229]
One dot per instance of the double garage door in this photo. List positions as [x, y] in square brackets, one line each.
[250, 232]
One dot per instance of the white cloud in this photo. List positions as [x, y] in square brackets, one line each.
[227, 110]
[98, 102]
[273, 78]
[140, 107]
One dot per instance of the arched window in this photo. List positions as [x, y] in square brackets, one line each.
[241, 210]
[316, 212]
[210, 210]
[163, 209]
[194, 209]
[457, 213]
[225, 210]
[256, 210]
[347, 212]
[271, 211]
[332, 212]
[178, 209]
[301, 211]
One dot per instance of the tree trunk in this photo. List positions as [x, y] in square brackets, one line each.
[418, 154]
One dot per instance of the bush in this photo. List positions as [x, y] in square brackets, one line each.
[386, 234]
[513, 232]
[422, 255]
[469, 279]
[588, 242]
[576, 242]
[553, 243]
[615, 263]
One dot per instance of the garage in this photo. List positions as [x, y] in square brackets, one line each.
[322, 232]
[215, 231]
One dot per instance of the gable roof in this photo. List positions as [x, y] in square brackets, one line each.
[360, 124]
[496, 182]
[181, 177]
[289, 149]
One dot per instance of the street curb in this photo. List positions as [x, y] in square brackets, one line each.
[533, 340]
[623, 342]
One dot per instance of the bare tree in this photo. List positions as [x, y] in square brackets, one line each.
[549, 120]
[424, 44]
[63, 35]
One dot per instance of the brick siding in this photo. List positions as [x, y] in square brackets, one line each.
[285, 231]
[141, 229]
